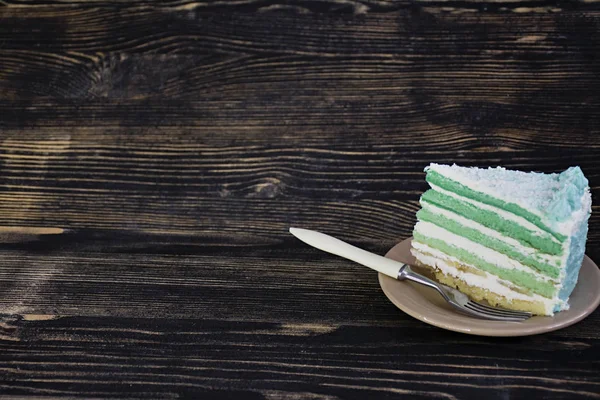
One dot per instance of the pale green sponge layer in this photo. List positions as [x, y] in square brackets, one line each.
[519, 278]
[487, 241]
[544, 242]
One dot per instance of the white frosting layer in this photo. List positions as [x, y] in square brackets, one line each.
[502, 213]
[570, 226]
[490, 282]
[515, 244]
[490, 256]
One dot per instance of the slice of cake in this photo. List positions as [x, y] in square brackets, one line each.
[513, 238]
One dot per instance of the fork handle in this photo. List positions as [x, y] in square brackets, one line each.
[335, 246]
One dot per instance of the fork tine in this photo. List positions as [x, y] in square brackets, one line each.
[485, 308]
[498, 317]
[497, 309]
[499, 312]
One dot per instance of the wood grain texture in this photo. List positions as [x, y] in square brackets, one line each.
[154, 154]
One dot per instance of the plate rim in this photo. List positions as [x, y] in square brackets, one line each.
[526, 331]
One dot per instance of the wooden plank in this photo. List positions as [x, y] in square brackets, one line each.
[433, 56]
[500, 75]
[138, 358]
[248, 187]
[189, 278]
[210, 185]
[518, 6]
[411, 32]
[440, 126]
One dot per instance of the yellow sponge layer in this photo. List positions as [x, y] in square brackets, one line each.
[479, 294]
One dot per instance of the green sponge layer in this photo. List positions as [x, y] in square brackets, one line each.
[438, 179]
[543, 243]
[517, 277]
[490, 242]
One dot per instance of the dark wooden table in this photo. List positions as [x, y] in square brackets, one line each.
[153, 155]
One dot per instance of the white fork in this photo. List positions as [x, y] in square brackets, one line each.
[401, 271]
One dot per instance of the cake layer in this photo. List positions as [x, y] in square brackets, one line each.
[551, 197]
[436, 178]
[545, 264]
[484, 258]
[553, 260]
[548, 200]
[513, 218]
[492, 219]
[479, 285]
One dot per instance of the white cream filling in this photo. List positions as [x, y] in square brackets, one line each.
[515, 244]
[491, 256]
[490, 282]
[502, 213]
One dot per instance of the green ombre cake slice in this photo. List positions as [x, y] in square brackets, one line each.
[516, 239]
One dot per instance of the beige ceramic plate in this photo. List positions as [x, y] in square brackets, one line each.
[427, 306]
